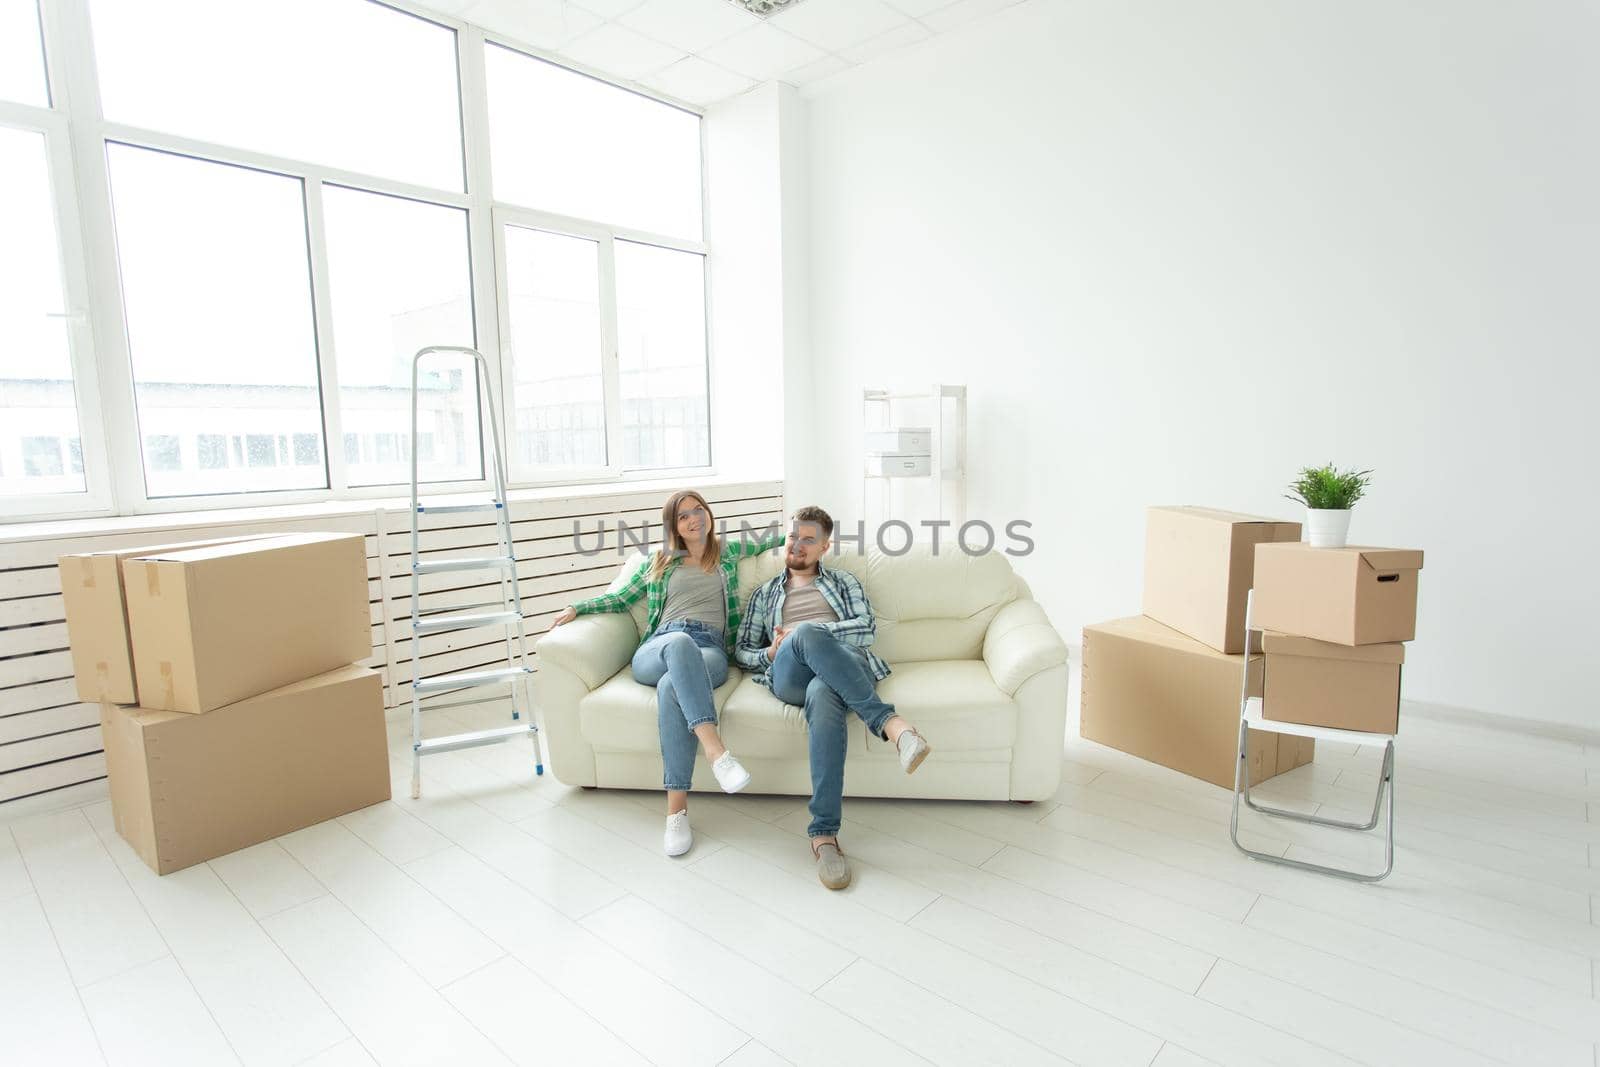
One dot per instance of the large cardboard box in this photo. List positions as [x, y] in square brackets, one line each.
[212, 626]
[1323, 684]
[1350, 596]
[97, 619]
[1197, 569]
[1167, 698]
[188, 788]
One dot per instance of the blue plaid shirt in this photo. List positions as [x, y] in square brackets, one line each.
[843, 593]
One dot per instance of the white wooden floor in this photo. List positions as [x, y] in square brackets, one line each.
[504, 918]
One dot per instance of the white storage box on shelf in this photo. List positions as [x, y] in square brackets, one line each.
[914, 449]
[902, 440]
[895, 465]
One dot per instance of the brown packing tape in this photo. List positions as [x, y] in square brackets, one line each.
[86, 572]
[169, 688]
[152, 579]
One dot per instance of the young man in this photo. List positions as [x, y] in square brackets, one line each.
[806, 636]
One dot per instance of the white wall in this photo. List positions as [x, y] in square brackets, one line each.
[1178, 250]
[743, 230]
[753, 153]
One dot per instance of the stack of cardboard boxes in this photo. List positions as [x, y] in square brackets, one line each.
[1166, 685]
[1333, 622]
[230, 702]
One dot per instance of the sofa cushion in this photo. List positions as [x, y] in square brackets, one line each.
[757, 724]
[954, 704]
[621, 714]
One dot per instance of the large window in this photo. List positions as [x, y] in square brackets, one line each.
[400, 280]
[216, 289]
[572, 145]
[605, 318]
[661, 326]
[344, 83]
[558, 390]
[227, 226]
[38, 399]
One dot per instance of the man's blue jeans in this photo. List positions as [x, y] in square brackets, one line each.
[829, 679]
[685, 661]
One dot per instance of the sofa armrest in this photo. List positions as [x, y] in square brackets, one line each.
[1019, 644]
[591, 647]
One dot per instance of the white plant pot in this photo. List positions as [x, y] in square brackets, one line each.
[1327, 528]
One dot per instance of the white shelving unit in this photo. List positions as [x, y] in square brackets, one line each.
[938, 494]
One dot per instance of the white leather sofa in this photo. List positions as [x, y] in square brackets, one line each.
[976, 667]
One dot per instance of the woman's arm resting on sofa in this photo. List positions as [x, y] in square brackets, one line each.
[591, 647]
[1019, 644]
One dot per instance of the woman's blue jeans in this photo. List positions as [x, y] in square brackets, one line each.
[685, 661]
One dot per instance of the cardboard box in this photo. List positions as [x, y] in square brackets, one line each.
[97, 619]
[1167, 698]
[212, 626]
[1198, 564]
[188, 788]
[1350, 596]
[1323, 684]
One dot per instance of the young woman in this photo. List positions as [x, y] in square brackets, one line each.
[692, 586]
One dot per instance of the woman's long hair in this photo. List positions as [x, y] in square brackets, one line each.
[672, 545]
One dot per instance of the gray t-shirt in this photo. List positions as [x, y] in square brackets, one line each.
[804, 602]
[694, 594]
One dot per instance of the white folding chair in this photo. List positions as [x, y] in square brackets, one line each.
[1251, 718]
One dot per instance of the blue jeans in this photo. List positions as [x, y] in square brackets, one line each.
[828, 678]
[685, 661]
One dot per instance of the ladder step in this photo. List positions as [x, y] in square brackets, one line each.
[457, 509]
[436, 703]
[479, 737]
[484, 563]
[440, 682]
[435, 623]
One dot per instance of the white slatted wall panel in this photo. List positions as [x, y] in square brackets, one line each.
[48, 740]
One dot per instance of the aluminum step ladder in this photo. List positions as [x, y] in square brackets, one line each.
[483, 685]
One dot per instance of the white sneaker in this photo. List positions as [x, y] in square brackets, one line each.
[730, 773]
[913, 750]
[678, 837]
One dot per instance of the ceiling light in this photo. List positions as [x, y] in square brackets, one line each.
[765, 8]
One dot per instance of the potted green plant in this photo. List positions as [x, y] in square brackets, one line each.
[1328, 495]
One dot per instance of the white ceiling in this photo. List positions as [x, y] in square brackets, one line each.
[703, 51]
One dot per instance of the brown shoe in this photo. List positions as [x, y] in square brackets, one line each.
[833, 870]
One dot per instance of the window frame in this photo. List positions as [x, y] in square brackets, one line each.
[54, 124]
[77, 140]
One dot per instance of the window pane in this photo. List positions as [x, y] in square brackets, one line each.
[22, 54]
[344, 83]
[37, 398]
[661, 339]
[559, 398]
[307, 449]
[41, 457]
[212, 450]
[163, 452]
[401, 280]
[572, 145]
[217, 294]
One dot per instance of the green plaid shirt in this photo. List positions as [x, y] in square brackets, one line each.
[639, 584]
